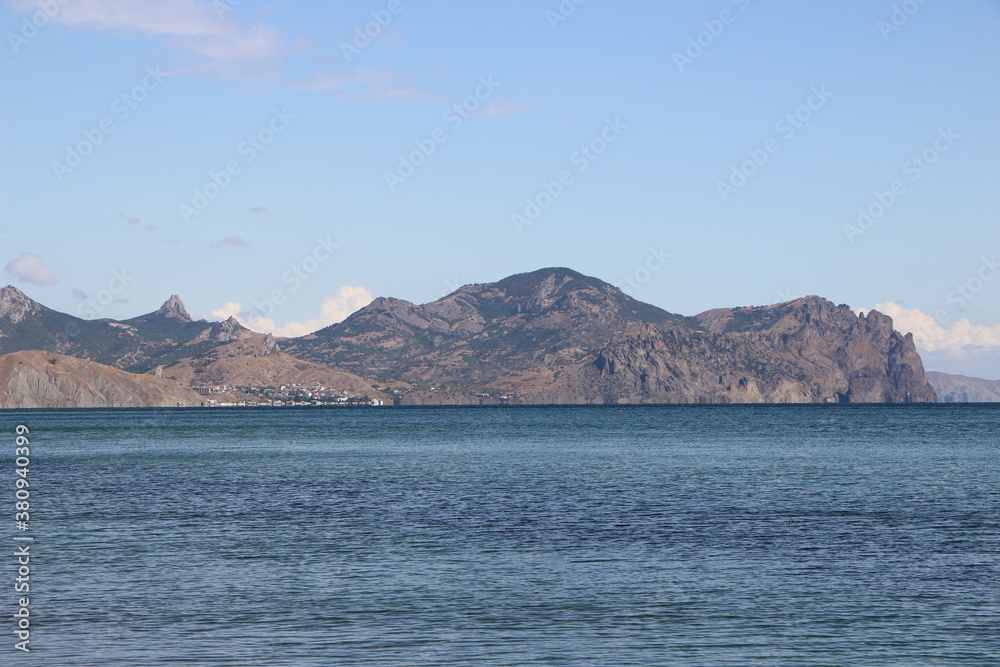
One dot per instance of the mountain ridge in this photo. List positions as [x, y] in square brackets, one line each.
[552, 335]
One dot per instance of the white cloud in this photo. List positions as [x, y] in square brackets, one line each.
[29, 268]
[229, 309]
[204, 39]
[212, 38]
[932, 336]
[333, 309]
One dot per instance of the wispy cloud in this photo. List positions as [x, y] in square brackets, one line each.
[129, 220]
[393, 93]
[234, 241]
[200, 39]
[29, 268]
[258, 210]
[496, 108]
[214, 39]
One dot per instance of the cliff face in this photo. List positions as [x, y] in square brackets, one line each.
[803, 351]
[38, 379]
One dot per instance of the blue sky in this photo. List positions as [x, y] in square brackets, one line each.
[272, 160]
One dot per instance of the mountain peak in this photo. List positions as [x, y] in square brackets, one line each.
[222, 332]
[174, 307]
[15, 305]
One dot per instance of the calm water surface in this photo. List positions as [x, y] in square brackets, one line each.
[810, 535]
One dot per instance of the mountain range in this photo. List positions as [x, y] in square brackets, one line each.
[552, 336]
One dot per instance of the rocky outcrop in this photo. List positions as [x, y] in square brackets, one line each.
[174, 309]
[222, 332]
[38, 379]
[15, 305]
[803, 351]
[963, 389]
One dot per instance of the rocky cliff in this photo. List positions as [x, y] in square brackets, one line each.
[803, 351]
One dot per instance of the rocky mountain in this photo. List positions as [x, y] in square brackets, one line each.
[479, 333]
[962, 389]
[137, 345]
[548, 336]
[803, 351]
[39, 379]
[556, 336]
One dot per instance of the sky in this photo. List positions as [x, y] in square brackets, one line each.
[284, 162]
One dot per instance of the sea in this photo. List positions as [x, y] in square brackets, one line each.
[605, 536]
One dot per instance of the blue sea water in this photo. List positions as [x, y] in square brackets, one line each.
[611, 536]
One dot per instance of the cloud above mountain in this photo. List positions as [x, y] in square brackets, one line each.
[333, 309]
[934, 336]
[29, 268]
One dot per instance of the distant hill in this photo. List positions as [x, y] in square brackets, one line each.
[548, 336]
[38, 379]
[256, 360]
[962, 389]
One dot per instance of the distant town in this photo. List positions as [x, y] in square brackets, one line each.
[285, 395]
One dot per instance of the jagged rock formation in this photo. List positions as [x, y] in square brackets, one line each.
[15, 305]
[174, 308]
[38, 379]
[803, 351]
[963, 389]
[223, 332]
